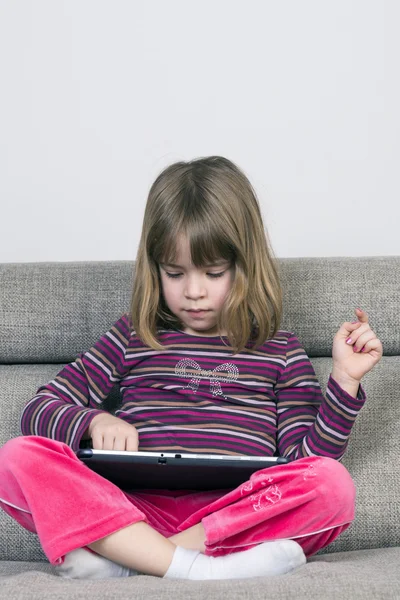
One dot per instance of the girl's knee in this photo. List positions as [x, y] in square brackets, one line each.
[334, 483]
[334, 470]
[25, 449]
[12, 449]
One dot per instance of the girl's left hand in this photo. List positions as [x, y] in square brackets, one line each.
[356, 349]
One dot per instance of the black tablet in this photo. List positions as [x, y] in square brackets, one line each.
[174, 471]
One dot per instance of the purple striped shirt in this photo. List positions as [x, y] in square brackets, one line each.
[196, 396]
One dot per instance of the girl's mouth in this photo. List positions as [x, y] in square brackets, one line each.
[197, 314]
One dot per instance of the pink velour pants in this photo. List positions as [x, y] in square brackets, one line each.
[49, 491]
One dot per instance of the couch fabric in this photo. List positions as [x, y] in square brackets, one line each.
[49, 312]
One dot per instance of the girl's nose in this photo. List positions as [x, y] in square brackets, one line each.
[194, 288]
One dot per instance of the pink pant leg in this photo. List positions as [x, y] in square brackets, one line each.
[310, 500]
[49, 491]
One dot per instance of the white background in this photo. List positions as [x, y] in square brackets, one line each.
[97, 96]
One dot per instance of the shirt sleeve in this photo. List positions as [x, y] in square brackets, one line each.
[309, 422]
[63, 409]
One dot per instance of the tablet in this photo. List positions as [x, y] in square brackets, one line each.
[174, 471]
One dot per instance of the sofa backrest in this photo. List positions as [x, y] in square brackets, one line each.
[49, 312]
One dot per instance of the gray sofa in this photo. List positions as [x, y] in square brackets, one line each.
[51, 311]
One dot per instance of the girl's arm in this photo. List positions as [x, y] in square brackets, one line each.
[310, 423]
[64, 408]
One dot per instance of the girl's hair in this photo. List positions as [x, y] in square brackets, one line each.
[212, 203]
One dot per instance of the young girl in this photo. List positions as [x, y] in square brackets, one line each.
[202, 367]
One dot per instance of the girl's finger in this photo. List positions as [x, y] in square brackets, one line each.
[361, 315]
[97, 440]
[373, 344]
[348, 328]
[108, 441]
[354, 332]
[132, 444]
[363, 339]
[119, 443]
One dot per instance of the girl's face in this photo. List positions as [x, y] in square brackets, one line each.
[196, 295]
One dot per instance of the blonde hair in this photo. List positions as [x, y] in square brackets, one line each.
[212, 203]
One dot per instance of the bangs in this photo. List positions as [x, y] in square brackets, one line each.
[207, 245]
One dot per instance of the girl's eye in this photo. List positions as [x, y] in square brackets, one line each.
[177, 275]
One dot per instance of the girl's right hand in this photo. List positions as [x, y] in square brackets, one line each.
[111, 433]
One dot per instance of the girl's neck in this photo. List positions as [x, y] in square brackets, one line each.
[200, 334]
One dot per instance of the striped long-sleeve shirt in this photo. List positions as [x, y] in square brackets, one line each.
[197, 396]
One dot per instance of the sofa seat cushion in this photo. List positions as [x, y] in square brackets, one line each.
[360, 574]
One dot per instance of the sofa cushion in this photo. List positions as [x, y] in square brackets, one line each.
[49, 312]
[362, 575]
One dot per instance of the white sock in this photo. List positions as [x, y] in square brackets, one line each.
[83, 564]
[269, 558]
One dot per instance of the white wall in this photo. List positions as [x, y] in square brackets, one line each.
[97, 96]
